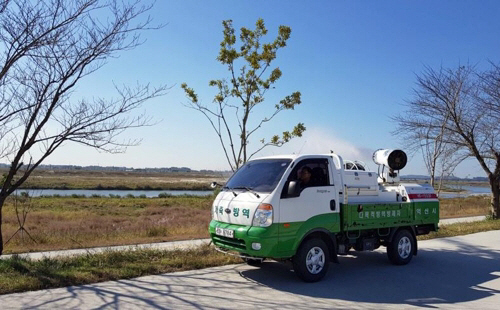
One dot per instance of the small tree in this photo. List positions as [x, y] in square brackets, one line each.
[247, 85]
[22, 207]
[447, 163]
[461, 105]
[47, 47]
[439, 157]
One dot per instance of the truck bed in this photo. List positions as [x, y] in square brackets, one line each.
[383, 215]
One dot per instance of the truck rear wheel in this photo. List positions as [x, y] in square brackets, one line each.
[400, 250]
[312, 260]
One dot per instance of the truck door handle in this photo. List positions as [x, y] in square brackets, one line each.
[332, 205]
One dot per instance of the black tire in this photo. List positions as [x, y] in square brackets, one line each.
[400, 250]
[312, 260]
[253, 262]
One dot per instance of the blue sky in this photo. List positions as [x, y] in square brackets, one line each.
[353, 61]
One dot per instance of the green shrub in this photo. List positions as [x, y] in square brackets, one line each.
[164, 195]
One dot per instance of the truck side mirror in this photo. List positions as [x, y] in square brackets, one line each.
[293, 189]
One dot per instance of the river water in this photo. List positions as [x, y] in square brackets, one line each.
[107, 193]
[468, 191]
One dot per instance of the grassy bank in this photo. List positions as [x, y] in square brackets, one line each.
[77, 222]
[121, 180]
[18, 275]
[460, 229]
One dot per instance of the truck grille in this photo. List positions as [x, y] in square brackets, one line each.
[233, 244]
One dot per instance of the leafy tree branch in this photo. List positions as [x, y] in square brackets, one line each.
[247, 85]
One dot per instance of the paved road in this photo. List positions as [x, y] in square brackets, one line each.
[449, 273]
[171, 245]
[157, 246]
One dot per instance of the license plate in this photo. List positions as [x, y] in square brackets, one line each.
[224, 232]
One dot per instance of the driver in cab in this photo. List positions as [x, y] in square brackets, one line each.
[304, 177]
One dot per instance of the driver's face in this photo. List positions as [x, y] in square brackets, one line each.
[304, 175]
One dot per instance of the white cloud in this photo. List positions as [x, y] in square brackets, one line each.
[319, 141]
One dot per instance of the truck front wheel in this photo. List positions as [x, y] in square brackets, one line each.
[400, 250]
[312, 260]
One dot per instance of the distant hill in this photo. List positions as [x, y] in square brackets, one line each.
[115, 168]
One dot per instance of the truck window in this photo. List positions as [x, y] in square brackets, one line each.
[260, 175]
[348, 166]
[353, 165]
[310, 172]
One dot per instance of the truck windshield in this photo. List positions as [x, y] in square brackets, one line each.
[260, 175]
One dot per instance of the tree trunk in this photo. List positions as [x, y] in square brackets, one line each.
[2, 200]
[440, 185]
[433, 167]
[495, 198]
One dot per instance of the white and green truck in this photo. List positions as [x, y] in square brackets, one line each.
[268, 209]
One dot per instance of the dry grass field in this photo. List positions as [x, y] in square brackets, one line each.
[69, 222]
[66, 222]
[466, 206]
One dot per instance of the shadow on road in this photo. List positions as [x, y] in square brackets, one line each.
[432, 277]
[166, 291]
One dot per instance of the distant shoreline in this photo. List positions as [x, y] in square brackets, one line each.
[173, 187]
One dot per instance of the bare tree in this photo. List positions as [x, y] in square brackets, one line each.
[463, 105]
[247, 86]
[47, 47]
[428, 138]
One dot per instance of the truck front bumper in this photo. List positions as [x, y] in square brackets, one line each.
[247, 240]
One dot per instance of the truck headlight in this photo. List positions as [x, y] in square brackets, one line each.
[263, 216]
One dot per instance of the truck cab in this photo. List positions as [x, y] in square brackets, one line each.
[310, 208]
